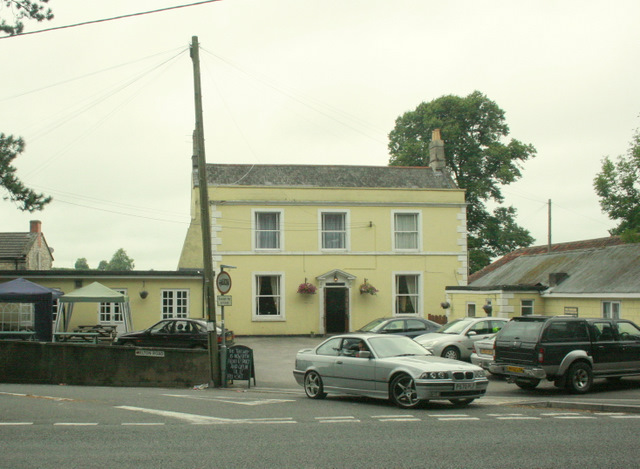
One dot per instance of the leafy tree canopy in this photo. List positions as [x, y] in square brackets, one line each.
[473, 128]
[26, 198]
[119, 261]
[15, 11]
[618, 186]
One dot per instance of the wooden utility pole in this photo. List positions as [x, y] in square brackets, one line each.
[205, 221]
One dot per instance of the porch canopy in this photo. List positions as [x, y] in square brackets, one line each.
[21, 290]
[93, 293]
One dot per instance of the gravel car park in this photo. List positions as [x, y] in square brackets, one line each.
[386, 366]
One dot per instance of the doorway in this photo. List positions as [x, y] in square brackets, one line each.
[336, 307]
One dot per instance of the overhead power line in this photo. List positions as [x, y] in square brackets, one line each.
[114, 18]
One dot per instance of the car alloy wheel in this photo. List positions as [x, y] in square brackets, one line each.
[403, 392]
[451, 353]
[313, 386]
[579, 378]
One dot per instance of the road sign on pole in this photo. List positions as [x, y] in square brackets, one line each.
[223, 282]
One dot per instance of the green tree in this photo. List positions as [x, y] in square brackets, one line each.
[26, 198]
[17, 10]
[473, 128]
[618, 186]
[119, 261]
[82, 264]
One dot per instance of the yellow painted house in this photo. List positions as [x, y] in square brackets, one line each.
[368, 241]
[590, 278]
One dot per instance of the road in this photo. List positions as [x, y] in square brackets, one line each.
[70, 426]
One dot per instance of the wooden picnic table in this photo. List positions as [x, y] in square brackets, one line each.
[105, 332]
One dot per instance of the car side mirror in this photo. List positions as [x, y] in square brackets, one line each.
[364, 354]
[470, 333]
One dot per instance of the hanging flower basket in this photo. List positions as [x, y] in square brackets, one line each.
[368, 288]
[307, 288]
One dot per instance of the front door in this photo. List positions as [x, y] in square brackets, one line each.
[336, 310]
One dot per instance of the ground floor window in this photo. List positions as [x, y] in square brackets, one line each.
[526, 307]
[611, 309]
[175, 304]
[111, 313]
[268, 301]
[407, 294]
[16, 316]
[471, 310]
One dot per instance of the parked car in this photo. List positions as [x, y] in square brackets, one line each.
[569, 351]
[482, 354]
[173, 333]
[386, 366]
[455, 339]
[411, 326]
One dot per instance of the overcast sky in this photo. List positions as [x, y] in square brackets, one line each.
[107, 109]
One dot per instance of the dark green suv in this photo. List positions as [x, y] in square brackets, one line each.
[569, 351]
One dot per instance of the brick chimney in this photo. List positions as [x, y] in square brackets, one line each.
[436, 151]
[36, 227]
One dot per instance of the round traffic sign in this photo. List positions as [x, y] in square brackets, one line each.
[223, 282]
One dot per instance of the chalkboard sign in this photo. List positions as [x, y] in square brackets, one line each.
[240, 364]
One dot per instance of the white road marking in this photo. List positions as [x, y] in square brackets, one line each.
[141, 424]
[204, 419]
[399, 419]
[76, 424]
[519, 418]
[15, 394]
[449, 419]
[336, 419]
[8, 424]
[238, 401]
[625, 416]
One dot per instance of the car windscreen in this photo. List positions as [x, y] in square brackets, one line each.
[454, 327]
[395, 346]
[525, 331]
[372, 326]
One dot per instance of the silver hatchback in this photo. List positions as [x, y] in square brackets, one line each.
[455, 339]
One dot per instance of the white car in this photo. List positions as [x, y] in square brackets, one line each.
[455, 339]
[386, 366]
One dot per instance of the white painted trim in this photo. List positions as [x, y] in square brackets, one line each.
[393, 231]
[421, 300]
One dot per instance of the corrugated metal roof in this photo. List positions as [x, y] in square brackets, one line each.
[328, 176]
[612, 269]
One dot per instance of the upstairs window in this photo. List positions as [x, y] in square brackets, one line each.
[405, 234]
[334, 230]
[267, 230]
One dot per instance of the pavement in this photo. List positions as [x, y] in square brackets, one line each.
[274, 358]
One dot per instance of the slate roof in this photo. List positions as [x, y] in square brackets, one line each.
[16, 245]
[594, 266]
[328, 176]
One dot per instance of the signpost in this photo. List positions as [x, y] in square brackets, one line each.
[223, 283]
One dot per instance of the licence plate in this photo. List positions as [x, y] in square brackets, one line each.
[515, 369]
[464, 386]
[486, 352]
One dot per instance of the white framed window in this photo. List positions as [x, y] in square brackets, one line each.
[526, 307]
[611, 309]
[333, 230]
[471, 310]
[407, 293]
[111, 313]
[268, 304]
[267, 229]
[406, 231]
[175, 303]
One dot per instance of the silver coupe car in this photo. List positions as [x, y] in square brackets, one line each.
[387, 367]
